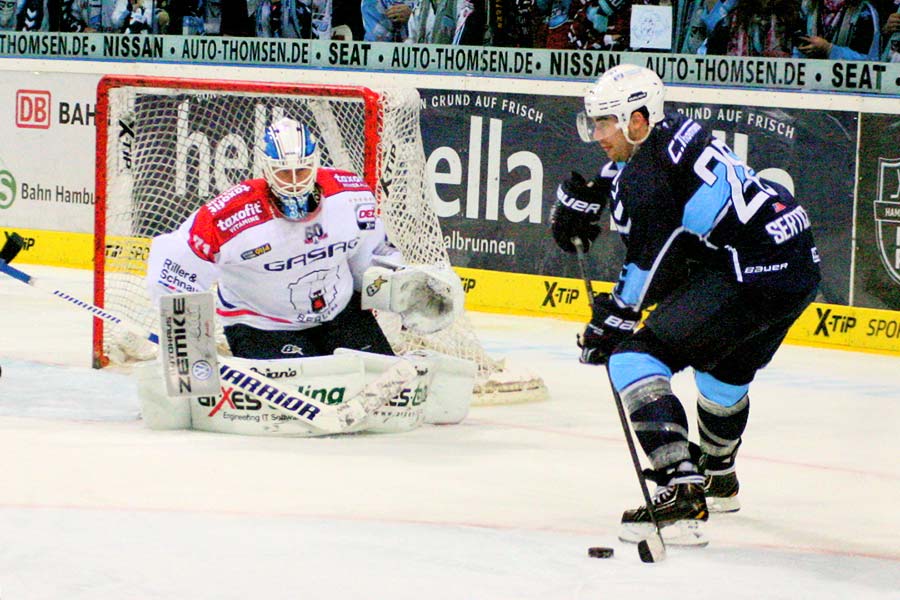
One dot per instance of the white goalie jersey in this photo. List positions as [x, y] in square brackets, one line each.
[273, 273]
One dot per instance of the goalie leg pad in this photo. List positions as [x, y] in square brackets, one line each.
[405, 410]
[159, 410]
[331, 380]
[450, 393]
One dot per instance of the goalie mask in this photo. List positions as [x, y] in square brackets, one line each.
[290, 163]
[618, 93]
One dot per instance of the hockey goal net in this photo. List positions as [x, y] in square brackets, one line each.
[165, 146]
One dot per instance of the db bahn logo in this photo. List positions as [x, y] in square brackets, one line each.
[887, 215]
[33, 109]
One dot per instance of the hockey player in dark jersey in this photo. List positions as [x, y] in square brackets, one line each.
[729, 262]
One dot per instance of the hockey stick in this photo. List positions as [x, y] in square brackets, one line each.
[652, 549]
[317, 415]
[11, 247]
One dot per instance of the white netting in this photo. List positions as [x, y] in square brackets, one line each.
[172, 145]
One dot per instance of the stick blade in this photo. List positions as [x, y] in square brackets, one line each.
[11, 247]
[652, 549]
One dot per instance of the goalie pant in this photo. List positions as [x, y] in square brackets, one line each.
[278, 276]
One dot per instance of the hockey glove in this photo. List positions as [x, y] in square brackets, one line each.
[608, 327]
[576, 212]
[427, 298]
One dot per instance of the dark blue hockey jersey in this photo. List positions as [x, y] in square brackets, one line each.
[684, 199]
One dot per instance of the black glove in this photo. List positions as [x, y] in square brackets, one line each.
[12, 246]
[608, 327]
[576, 212]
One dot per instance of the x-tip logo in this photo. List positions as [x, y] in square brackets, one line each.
[33, 109]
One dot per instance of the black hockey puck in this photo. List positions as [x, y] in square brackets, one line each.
[600, 552]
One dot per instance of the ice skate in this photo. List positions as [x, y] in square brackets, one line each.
[679, 507]
[720, 482]
[721, 491]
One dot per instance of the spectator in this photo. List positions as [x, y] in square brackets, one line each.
[891, 33]
[300, 19]
[133, 16]
[604, 24]
[74, 15]
[515, 23]
[32, 15]
[529, 23]
[7, 15]
[237, 18]
[695, 20]
[190, 17]
[459, 22]
[553, 30]
[597, 25]
[839, 30]
[756, 28]
[387, 20]
[168, 19]
[346, 20]
[193, 16]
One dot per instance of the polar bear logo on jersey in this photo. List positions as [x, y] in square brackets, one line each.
[313, 297]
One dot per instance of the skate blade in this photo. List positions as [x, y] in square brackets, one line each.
[680, 533]
[723, 505]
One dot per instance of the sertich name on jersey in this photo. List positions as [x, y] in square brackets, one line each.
[685, 196]
[276, 274]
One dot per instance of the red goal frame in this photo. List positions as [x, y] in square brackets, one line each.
[372, 132]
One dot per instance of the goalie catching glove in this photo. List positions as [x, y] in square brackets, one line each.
[576, 212]
[609, 325]
[427, 298]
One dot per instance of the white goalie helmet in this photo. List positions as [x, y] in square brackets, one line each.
[290, 164]
[619, 92]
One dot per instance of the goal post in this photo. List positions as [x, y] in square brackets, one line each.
[166, 146]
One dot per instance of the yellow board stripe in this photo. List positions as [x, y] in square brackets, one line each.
[76, 250]
[823, 325]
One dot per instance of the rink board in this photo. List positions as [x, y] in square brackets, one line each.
[825, 325]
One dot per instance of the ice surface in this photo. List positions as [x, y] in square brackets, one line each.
[504, 506]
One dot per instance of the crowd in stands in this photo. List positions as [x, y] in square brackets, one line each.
[834, 29]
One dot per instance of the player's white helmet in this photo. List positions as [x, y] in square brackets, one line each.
[290, 164]
[619, 92]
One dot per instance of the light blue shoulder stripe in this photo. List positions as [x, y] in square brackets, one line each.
[701, 213]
